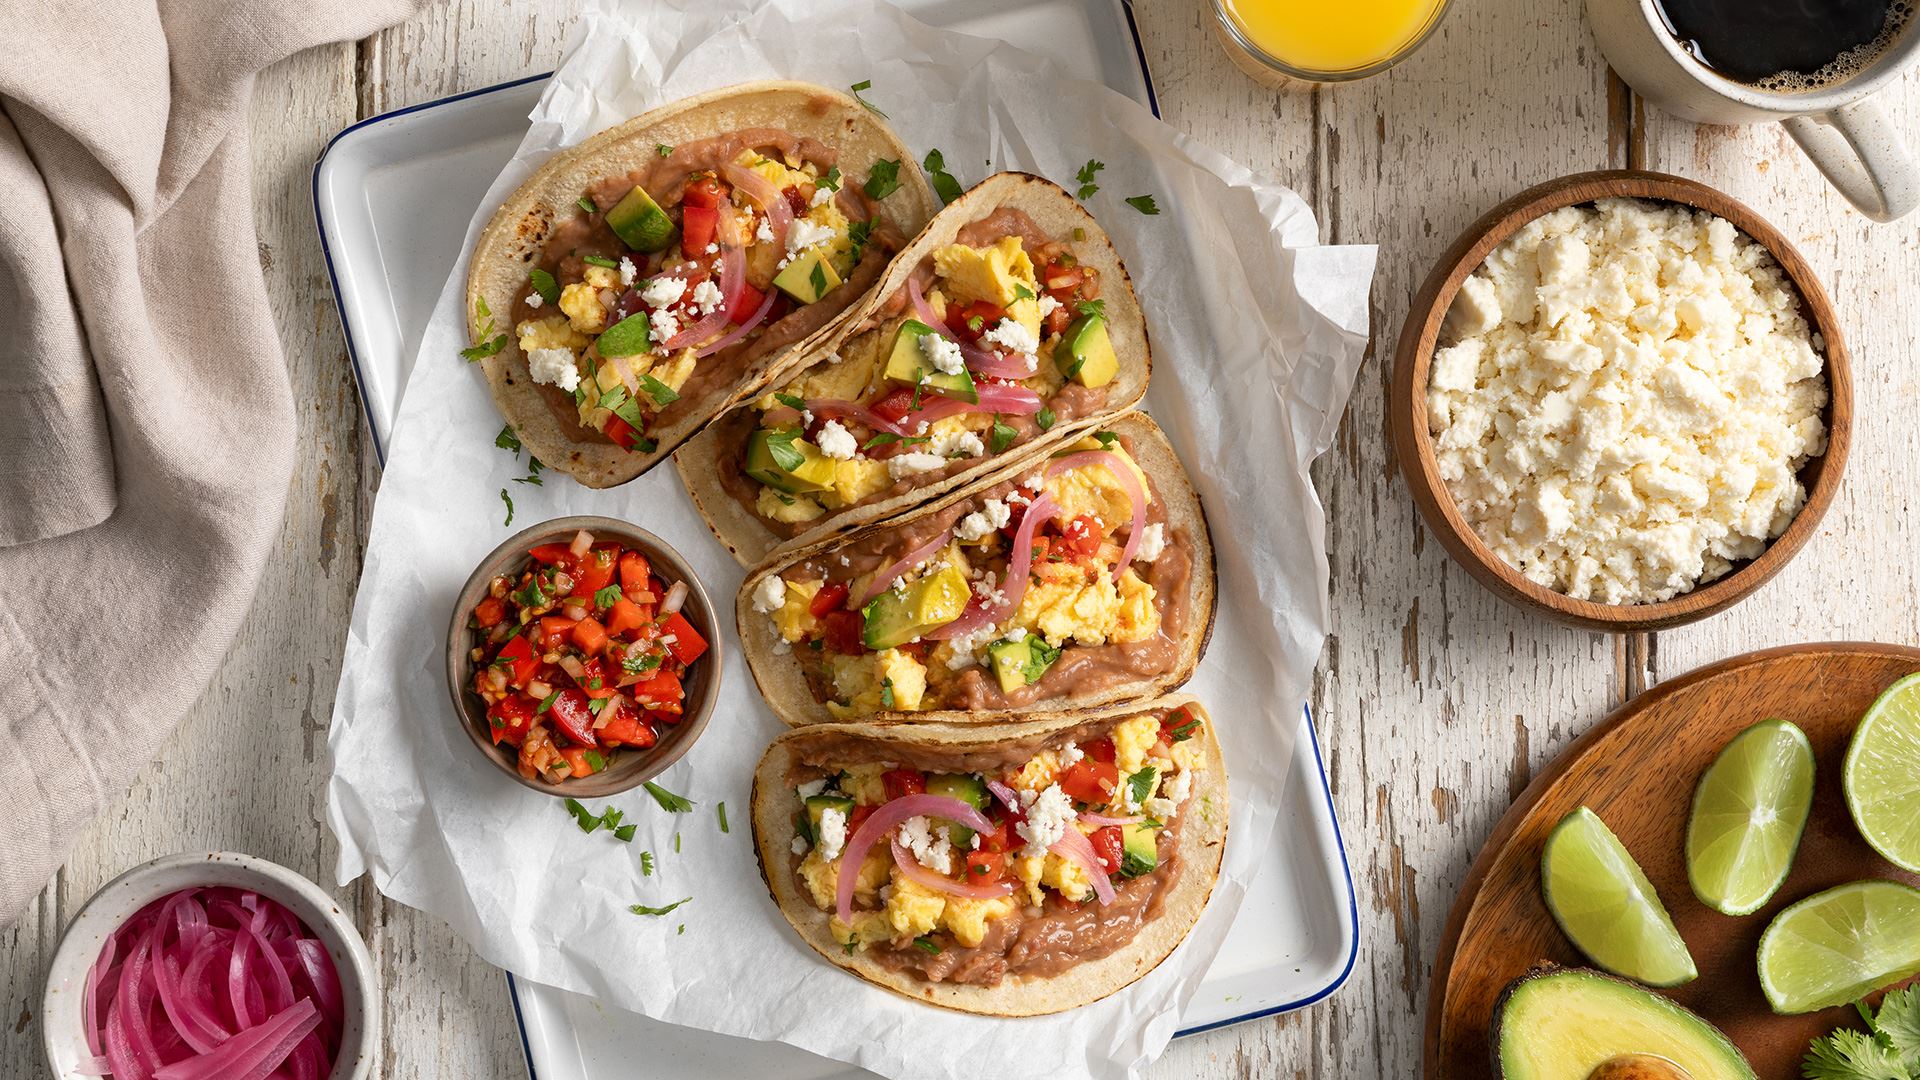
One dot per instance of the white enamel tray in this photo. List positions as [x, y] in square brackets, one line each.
[393, 195]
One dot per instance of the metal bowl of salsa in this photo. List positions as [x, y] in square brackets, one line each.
[582, 657]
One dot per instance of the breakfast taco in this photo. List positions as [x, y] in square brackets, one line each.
[639, 283]
[1006, 870]
[1009, 320]
[1079, 574]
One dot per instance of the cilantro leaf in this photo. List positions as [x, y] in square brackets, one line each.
[485, 348]
[1044, 418]
[818, 278]
[943, 182]
[671, 803]
[635, 665]
[723, 818]
[1001, 437]
[886, 693]
[780, 448]
[1106, 439]
[1140, 784]
[1091, 307]
[1021, 292]
[1144, 204]
[1132, 866]
[1898, 1025]
[507, 440]
[642, 909]
[831, 181]
[857, 234]
[627, 337]
[1085, 176]
[663, 149]
[646, 862]
[508, 499]
[1851, 1055]
[866, 84]
[586, 204]
[660, 392]
[608, 597]
[883, 179]
[927, 945]
[544, 285]
[791, 401]
[1185, 731]
[624, 833]
[888, 438]
[600, 261]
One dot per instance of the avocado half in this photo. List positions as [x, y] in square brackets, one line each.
[1558, 1023]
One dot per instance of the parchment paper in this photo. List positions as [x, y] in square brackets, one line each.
[1257, 333]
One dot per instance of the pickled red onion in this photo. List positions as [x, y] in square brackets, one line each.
[1102, 820]
[1020, 565]
[836, 409]
[880, 823]
[1005, 794]
[912, 559]
[1128, 481]
[1000, 366]
[745, 328]
[770, 199]
[1073, 844]
[713, 323]
[922, 309]
[939, 882]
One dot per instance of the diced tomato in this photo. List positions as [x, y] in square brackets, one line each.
[626, 615]
[915, 649]
[682, 640]
[620, 432]
[974, 320]
[578, 760]
[697, 226]
[903, 782]
[594, 672]
[831, 595]
[634, 573]
[509, 719]
[782, 304]
[858, 818]
[984, 867]
[519, 654]
[1002, 838]
[628, 728]
[745, 304]
[590, 636]
[1173, 722]
[1080, 538]
[553, 631]
[595, 571]
[796, 201]
[844, 631]
[708, 191]
[553, 555]
[1059, 277]
[894, 404]
[660, 691]
[571, 717]
[1090, 781]
[1098, 749]
[488, 613]
[1107, 845]
[1015, 512]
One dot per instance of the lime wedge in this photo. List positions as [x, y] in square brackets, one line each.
[1882, 774]
[1607, 907]
[1840, 945]
[1748, 813]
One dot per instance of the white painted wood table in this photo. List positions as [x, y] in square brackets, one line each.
[1435, 701]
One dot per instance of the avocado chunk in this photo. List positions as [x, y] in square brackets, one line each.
[782, 460]
[896, 617]
[820, 804]
[968, 789]
[1566, 1023]
[1139, 849]
[1085, 354]
[808, 277]
[639, 222]
[1020, 663]
[908, 364]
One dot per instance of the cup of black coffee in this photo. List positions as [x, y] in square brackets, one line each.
[1813, 65]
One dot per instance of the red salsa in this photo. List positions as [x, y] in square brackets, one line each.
[583, 652]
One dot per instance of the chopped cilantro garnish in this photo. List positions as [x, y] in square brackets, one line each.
[676, 843]
[547, 703]
[533, 473]
[594, 759]
[1106, 439]
[927, 945]
[485, 348]
[849, 945]
[1085, 176]
[1021, 292]
[780, 447]
[1044, 418]
[1133, 866]
[627, 337]
[1091, 307]
[624, 833]
[723, 817]
[507, 440]
[586, 204]
[1001, 436]
[660, 392]
[508, 499]
[883, 179]
[943, 182]
[663, 149]
[886, 693]
[1889, 1050]
[1185, 731]
[818, 278]
[857, 234]
[671, 803]
[1144, 204]
[682, 929]
[867, 84]
[642, 909]
[601, 261]
[608, 597]
[646, 861]
[1140, 784]
[791, 401]
[544, 285]
[831, 181]
[634, 665]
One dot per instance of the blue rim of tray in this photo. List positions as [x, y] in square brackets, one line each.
[380, 452]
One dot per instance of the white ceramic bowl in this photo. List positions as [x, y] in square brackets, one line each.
[114, 904]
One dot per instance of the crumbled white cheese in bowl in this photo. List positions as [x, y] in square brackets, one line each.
[1623, 399]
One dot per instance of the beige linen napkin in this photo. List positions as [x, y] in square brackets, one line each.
[146, 424]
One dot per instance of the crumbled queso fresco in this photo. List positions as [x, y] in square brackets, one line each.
[1627, 398]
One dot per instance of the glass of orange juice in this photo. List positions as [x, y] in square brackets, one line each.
[1323, 41]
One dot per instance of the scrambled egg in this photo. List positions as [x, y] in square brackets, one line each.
[581, 302]
[858, 477]
[1066, 877]
[991, 274]
[551, 332]
[863, 785]
[823, 877]
[1028, 868]
[862, 680]
[1093, 489]
[966, 919]
[775, 506]
[1071, 609]
[1186, 755]
[795, 619]
[868, 927]
[1037, 773]
[602, 277]
[1132, 739]
[675, 372]
[1136, 619]
[913, 909]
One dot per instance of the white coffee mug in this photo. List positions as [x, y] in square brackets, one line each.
[1840, 127]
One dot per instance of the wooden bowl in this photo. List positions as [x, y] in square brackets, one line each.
[1413, 442]
[1637, 770]
[629, 768]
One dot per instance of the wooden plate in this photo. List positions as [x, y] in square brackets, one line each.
[1637, 771]
[1413, 442]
